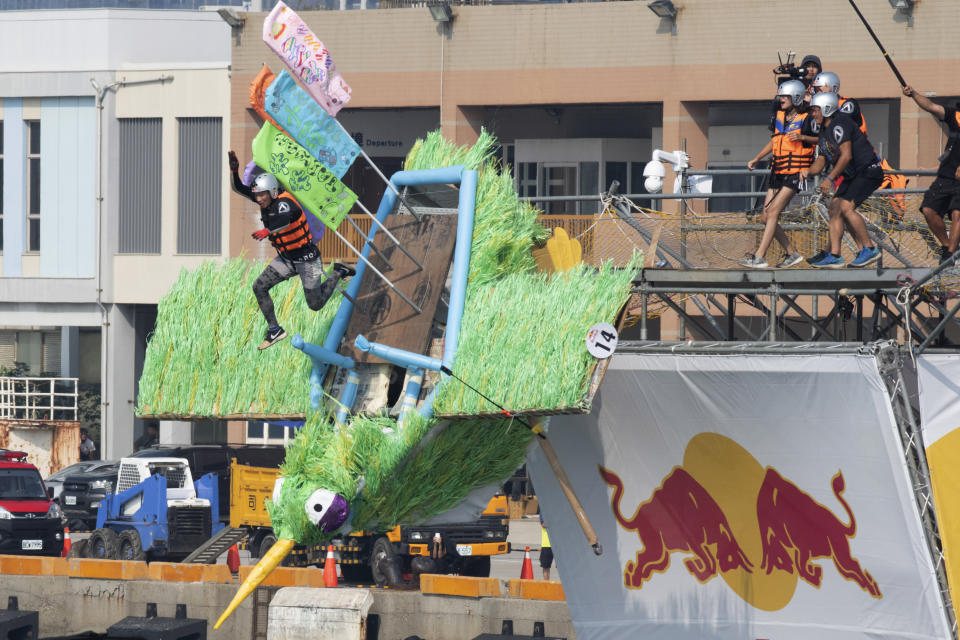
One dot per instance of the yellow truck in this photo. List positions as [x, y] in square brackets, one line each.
[381, 558]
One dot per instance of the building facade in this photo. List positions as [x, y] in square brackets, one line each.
[114, 128]
[615, 70]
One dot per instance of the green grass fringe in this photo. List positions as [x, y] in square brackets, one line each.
[505, 228]
[202, 359]
[400, 481]
[536, 325]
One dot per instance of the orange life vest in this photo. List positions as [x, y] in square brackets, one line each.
[293, 236]
[789, 156]
[863, 121]
[897, 201]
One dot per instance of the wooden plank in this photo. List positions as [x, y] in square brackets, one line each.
[380, 314]
[651, 258]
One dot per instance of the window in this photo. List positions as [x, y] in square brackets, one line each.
[560, 180]
[199, 183]
[527, 179]
[39, 351]
[589, 185]
[755, 181]
[269, 433]
[140, 174]
[1, 185]
[33, 186]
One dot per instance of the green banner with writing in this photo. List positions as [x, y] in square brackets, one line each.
[311, 183]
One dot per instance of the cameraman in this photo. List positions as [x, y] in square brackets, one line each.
[811, 69]
[808, 70]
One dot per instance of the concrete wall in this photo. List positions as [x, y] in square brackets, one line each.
[80, 40]
[191, 93]
[70, 605]
[74, 605]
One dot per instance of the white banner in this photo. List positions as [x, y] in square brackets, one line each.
[938, 381]
[743, 497]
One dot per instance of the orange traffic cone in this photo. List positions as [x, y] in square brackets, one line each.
[66, 542]
[526, 572]
[233, 559]
[330, 569]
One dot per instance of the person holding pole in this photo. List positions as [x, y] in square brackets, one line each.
[790, 155]
[943, 196]
[848, 153]
[285, 224]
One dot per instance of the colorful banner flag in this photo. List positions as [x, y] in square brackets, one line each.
[294, 111]
[258, 90]
[309, 61]
[310, 182]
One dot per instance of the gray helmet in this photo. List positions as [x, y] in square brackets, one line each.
[266, 182]
[794, 89]
[827, 81]
[827, 101]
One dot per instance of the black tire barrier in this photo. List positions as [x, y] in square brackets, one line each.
[153, 627]
[506, 633]
[16, 624]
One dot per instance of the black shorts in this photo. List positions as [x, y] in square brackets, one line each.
[546, 557]
[943, 196]
[785, 181]
[861, 185]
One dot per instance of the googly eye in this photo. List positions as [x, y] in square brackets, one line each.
[318, 504]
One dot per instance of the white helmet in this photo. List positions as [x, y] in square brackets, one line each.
[828, 103]
[794, 89]
[266, 182]
[827, 81]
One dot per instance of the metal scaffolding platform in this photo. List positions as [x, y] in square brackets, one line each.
[800, 305]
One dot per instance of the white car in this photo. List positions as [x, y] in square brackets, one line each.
[55, 480]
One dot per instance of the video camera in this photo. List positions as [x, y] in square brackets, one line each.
[788, 70]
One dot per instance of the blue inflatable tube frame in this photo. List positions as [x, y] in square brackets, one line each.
[322, 357]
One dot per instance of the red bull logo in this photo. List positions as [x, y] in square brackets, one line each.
[722, 511]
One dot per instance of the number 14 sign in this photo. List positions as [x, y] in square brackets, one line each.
[602, 340]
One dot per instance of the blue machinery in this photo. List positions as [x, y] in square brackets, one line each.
[415, 363]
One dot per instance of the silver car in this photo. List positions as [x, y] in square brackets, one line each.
[55, 480]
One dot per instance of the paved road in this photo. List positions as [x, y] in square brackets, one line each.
[523, 532]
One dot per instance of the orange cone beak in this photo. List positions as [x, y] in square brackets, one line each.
[267, 564]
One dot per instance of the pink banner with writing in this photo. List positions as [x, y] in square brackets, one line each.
[309, 61]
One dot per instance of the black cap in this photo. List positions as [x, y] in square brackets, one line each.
[813, 59]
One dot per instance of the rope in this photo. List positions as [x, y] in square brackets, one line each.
[903, 299]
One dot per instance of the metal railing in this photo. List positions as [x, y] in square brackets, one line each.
[38, 398]
[333, 249]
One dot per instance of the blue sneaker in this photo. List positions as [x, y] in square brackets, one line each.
[828, 261]
[867, 255]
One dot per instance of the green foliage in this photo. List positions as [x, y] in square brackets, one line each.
[457, 457]
[392, 474]
[202, 359]
[16, 370]
[88, 410]
[536, 324]
[504, 228]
